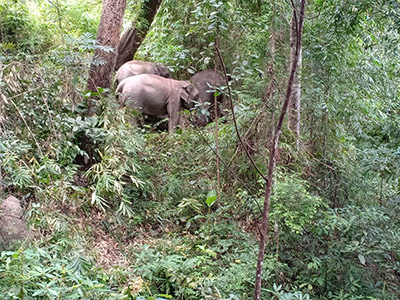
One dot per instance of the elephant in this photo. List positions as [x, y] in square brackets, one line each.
[157, 96]
[206, 81]
[136, 67]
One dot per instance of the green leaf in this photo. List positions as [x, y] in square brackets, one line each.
[164, 296]
[211, 197]
[93, 197]
[362, 259]
[39, 292]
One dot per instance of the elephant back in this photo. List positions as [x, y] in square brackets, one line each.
[137, 67]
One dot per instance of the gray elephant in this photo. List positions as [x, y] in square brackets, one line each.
[206, 82]
[157, 96]
[136, 67]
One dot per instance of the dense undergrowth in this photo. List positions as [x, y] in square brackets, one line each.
[148, 219]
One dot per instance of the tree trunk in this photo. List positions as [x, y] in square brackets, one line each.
[107, 35]
[100, 74]
[295, 97]
[274, 152]
[133, 38]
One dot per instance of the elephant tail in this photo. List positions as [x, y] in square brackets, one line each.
[118, 94]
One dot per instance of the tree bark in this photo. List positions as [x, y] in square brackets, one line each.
[295, 97]
[100, 75]
[133, 38]
[273, 153]
[107, 35]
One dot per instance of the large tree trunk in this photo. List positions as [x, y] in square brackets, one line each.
[133, 38]
[295, 97]
[107, 35]
[100, 74]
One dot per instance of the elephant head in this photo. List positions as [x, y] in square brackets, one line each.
[161, 70]
[157, 96]
[206, 82]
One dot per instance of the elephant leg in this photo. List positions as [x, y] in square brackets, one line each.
[220, 112]
[133, 121]
[173, 113]
[223, 104]
[133, 117]
[184, 120]
[173, 121]
[200, 121]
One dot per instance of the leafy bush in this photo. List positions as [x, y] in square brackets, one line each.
[347, 253]
[19, 31]
[217, 261]
[49, 273]
[12, 155]
[292, 206]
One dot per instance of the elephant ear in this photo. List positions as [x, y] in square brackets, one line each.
[161, 70]
[188, 94]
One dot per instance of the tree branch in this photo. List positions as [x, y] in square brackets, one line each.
[272, 158]
[234, 117]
